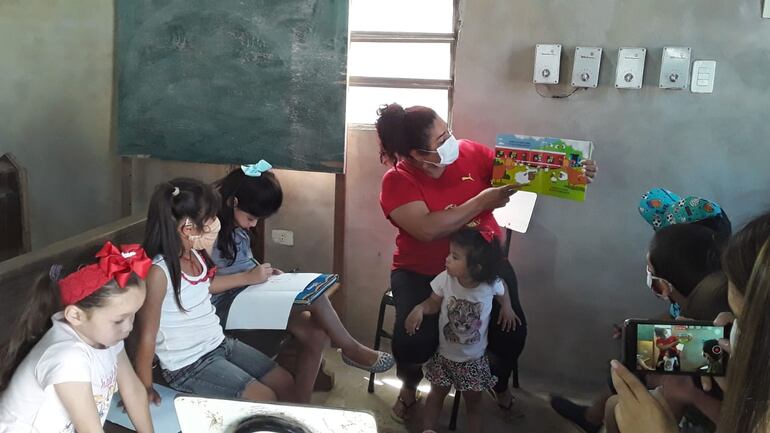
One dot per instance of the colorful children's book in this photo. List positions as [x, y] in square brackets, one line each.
[543, 165]
[315, 289]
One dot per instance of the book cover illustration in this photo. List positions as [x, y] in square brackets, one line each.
[543, 165]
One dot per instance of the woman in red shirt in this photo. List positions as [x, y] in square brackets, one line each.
[438, 185]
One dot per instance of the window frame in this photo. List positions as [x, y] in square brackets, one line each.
[411, 83]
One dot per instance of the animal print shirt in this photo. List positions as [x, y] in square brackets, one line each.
[464, 317]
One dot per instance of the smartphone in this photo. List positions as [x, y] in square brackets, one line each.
[674, 347]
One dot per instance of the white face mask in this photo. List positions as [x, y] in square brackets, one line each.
[734, 333]
[448, 152]
[208, 236]
[650, 279]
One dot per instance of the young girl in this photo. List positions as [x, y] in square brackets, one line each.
[463, 295]
[63, 380]
[177, 322]
[250, 193]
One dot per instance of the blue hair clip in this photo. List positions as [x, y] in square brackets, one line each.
[256, 170]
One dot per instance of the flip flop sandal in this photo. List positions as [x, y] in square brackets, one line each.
[508, 411]
[407, 407]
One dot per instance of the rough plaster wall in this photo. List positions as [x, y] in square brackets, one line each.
[369, 237]
[581, 265]
[55, 102]
[308, 211]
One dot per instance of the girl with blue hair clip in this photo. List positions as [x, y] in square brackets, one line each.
[250, 193]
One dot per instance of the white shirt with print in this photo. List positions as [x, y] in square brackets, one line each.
[464, 316]
[30, 404]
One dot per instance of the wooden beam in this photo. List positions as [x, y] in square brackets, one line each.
[338, 263]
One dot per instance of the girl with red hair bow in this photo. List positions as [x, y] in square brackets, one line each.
[65, 360]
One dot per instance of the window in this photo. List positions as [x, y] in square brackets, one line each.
[400, 51]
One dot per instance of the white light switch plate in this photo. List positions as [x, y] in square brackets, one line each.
[630, 71]
[547, 61]
[675, 68]
[766, 9]
[703, 73]
[585, 69]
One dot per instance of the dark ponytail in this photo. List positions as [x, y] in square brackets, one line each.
[259, 196]
[35, 319]
[403, 130]
[172, 202]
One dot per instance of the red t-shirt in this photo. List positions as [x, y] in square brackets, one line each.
[461, 181]
[665, 342]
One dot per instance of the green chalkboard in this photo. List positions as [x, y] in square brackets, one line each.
[233, 81]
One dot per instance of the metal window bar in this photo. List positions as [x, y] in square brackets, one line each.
[413, 37]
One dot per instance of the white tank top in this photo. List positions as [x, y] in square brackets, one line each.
[185, 336]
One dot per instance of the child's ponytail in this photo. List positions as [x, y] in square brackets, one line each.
[34, 321]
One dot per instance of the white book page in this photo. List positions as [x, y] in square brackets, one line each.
[518, 212]
[267, 305]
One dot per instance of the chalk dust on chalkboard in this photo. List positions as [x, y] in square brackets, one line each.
[233, 81]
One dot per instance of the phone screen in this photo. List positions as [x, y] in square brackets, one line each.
[680, 348]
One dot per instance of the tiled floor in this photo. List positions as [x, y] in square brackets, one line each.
[350, 392]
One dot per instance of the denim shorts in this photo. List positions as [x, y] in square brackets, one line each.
[224, 372]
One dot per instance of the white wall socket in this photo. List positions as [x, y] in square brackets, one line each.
[547, 62]
[675, 68]
[630, 71]
[283, 237]
[585, 69]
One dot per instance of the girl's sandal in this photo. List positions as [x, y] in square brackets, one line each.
[406, 408]
[510, 411]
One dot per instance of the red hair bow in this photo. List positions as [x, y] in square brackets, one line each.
[120, 263]
[114, 263]
[488, 235]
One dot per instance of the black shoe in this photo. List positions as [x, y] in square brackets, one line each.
[573, 412]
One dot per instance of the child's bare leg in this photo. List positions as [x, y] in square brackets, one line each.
[312, 341]
[326, 317]
[473, 411]
[433, 405]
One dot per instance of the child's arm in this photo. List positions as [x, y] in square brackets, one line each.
[507, 319]
[431, 305]
[146, 328]
[256, 275]
[134, 395]
[78, 399]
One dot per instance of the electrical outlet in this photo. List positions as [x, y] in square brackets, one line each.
[629, 73]
[283, 237]
[547, 62]
[585, 69]
[675, 68]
